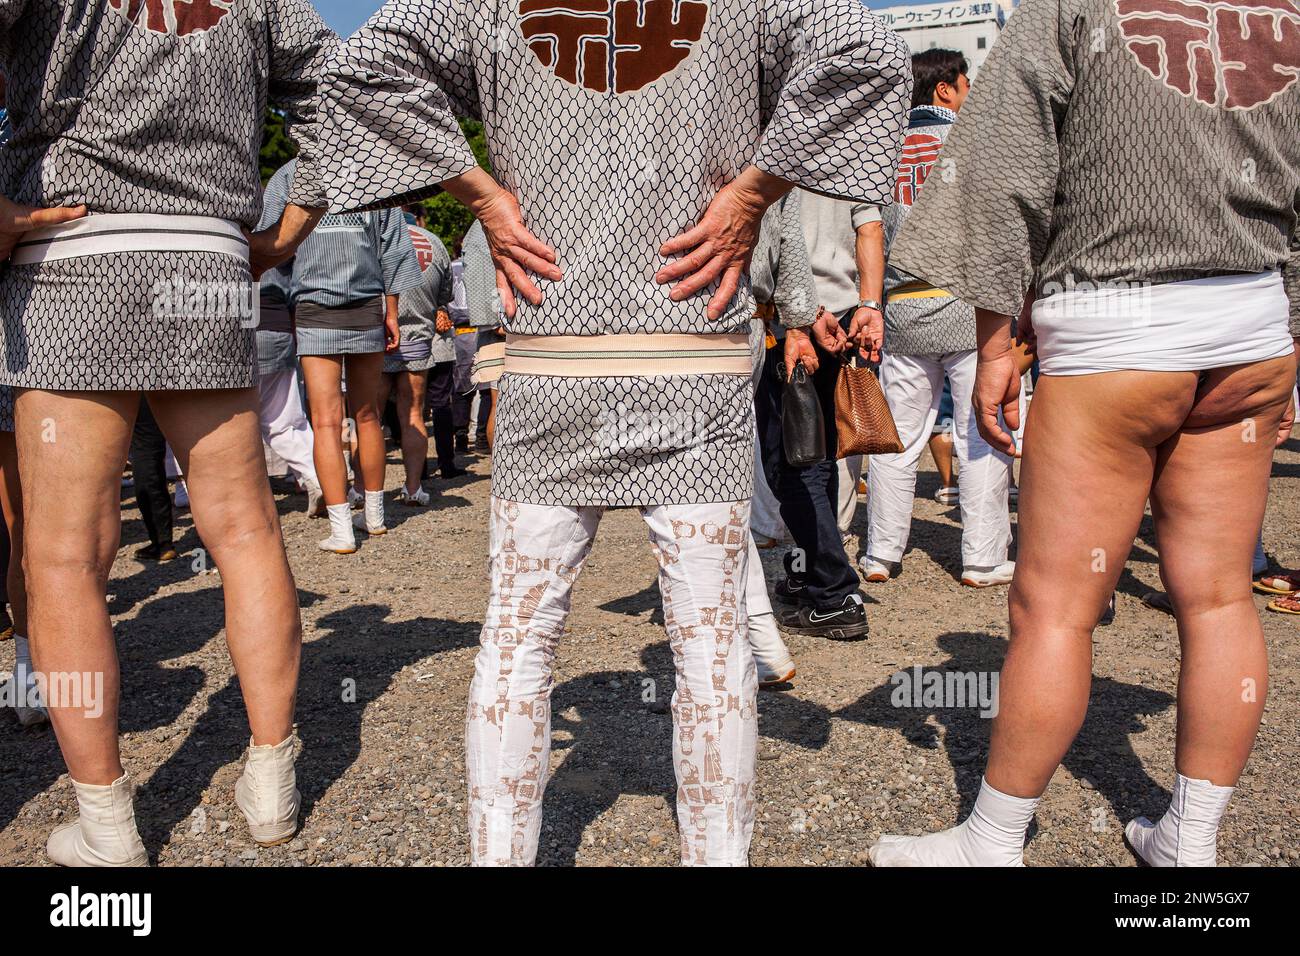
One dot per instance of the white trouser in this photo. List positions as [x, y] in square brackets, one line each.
[913, 385]
[766, 519]
[284, 426]
[850, 475]
[537, 552]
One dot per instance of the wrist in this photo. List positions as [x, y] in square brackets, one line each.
[476, 190]
[758, 190]
[992, 335]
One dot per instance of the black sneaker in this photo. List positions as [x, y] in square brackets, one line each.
[848, 623]
[790, 591]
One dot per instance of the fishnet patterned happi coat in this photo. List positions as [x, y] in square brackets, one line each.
[615, 122]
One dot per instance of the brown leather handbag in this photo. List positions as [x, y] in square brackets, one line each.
[864, 423]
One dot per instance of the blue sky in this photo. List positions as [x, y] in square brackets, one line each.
[346, 15]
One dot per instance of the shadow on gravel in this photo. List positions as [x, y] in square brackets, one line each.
[349, 664]
[1102, 754]
[616, 743]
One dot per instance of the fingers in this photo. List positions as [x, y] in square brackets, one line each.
[726, 292]
[535, 247]
[698, 280]
[686, 265]
[519, 280]
[687, 240]
[535, 263]
[507, 294]
[28, 217]
[990, 429]
[808, 355]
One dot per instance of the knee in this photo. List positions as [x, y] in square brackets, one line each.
[367, 414]
[326, 416]
[67, 559]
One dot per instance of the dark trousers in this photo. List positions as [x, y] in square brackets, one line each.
[809, 497]
[484, 413]
[443, 414]
[149, 468]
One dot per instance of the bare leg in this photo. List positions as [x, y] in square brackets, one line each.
[1091, 440]
[1208, 502]
[217, 439]
[364, 373]
[76, 439]
[11, 499]
[941, 449]
[323, 375]
[415, 436]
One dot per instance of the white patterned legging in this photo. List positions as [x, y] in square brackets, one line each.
[537, 552]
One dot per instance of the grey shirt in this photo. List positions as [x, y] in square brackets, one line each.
[830, 229]
[157, 114]
[922, 326]
[350, 258]
[1094, 149]
[780, 272]
[419, 306]
[479, 274]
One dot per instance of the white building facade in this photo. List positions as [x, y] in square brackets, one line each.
[971, 28]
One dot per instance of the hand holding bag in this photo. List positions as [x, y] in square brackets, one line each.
[803, 430]
[864, 423]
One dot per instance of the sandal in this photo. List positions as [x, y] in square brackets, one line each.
[1278, 583]
[1285, 605]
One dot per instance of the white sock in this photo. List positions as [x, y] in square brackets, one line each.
[993, 835]
[375, 508]
[1187, 835]
[28, 703]
[341, 522]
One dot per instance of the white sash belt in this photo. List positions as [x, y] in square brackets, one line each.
[102, 235]
[633, 355]
[489, 364]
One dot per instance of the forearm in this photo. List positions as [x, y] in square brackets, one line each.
[391, 307]
[992, 333]
[760, 188]
[870, 254]
[297, 222]
[475, 189]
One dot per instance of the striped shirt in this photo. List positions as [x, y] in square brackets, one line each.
[479, 279]
[350, 258]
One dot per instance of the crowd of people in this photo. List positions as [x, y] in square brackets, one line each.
[674, 260]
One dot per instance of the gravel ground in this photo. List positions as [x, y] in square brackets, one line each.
[390, 640]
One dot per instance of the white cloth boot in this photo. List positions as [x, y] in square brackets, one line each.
[267, 793]
[371, 517]
[993, 835]
[1187, 835]
[28, 706]
[104, 833]
[342, 539]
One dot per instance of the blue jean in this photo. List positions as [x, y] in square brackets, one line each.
[809, 497]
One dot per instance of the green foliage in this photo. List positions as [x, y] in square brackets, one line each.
[444, 216]
[277, 148]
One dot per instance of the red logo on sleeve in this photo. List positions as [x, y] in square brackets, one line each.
[1233, 56]
[179, 17]
[920, 152]
[423, 247]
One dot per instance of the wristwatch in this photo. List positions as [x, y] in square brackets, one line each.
[871, 304]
